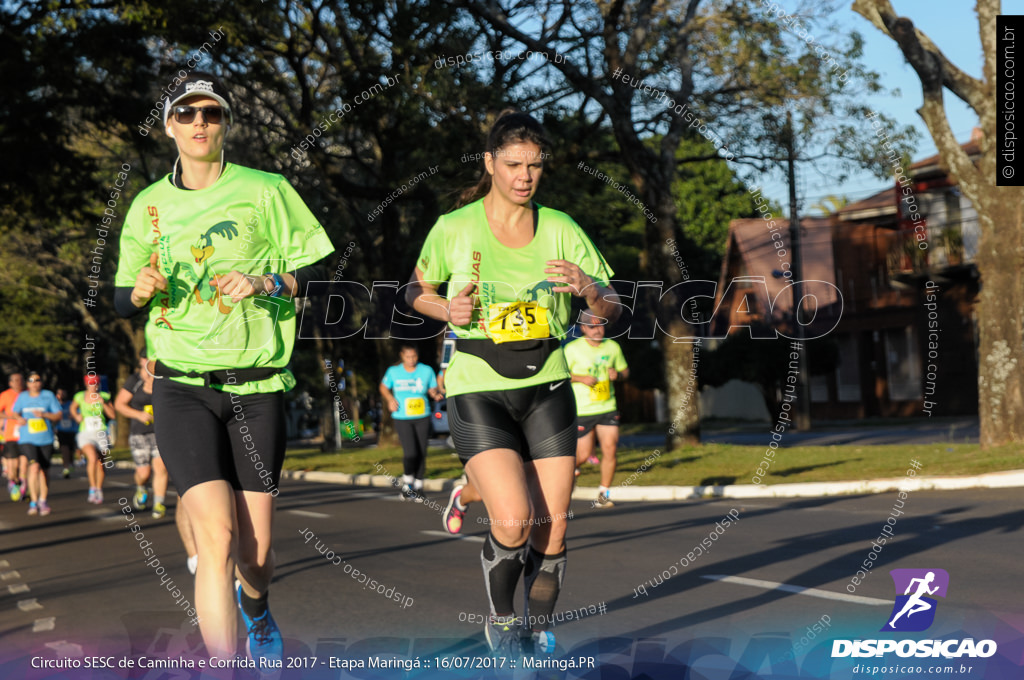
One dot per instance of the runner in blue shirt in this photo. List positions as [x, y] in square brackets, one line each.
[405, 389]
[35, 412]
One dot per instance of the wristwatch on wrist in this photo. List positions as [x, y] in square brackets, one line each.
[278, 285]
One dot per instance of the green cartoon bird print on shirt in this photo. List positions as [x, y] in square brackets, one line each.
[202, 250]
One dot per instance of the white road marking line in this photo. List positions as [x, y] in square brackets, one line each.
[370, 494]
[8, 575]
[799, 590]
[4, 564]
[445, 534]
[18, 588]
[29, 605]
[114, 483]
[309, 513]
[66, 649]
[41, 625]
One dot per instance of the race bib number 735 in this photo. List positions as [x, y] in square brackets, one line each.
[515, 321]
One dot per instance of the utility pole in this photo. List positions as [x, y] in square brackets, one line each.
[803, 399]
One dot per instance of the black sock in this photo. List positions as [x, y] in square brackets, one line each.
[253, 607]
[542, 579]
[502, 568]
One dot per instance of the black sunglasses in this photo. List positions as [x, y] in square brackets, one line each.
[184, 115]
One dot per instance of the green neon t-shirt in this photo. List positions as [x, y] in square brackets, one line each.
[249, 221]
[461, 249]
[90, 407]
[585, 359]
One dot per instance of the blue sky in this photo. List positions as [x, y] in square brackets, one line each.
[953, 27]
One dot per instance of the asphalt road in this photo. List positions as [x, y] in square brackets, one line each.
[75, 584]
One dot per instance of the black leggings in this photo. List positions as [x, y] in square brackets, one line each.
[413, 435]
[67, 448]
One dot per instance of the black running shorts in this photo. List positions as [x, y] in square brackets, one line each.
[37, 454]
[584, 424]
[11, 449]
[204, 435]
[537, 422]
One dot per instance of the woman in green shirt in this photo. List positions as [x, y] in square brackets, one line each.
[511, 268]
[215, 252]
[91, 408]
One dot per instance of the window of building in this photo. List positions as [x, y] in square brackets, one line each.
[903, 362]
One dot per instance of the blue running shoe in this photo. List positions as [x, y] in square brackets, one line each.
[543, 642]
[502, 634]
[264, 637]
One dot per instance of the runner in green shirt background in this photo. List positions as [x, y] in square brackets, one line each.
[91, 408]
[595, 363]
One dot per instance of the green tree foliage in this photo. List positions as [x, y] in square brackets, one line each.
[708, 195]
[371, 86]
[67, 78]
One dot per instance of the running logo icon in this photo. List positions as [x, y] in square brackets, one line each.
[914, 609]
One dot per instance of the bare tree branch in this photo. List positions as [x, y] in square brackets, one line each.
[924, 56]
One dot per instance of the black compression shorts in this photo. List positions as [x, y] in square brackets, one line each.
[11, 449]
[537, 422]
[584, 424]
[204, 434]
[37, 454]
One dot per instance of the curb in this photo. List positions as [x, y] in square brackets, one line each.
[991, 480]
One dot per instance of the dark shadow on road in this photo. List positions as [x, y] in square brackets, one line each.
[914, 535]
[807, 468]
[718, 481]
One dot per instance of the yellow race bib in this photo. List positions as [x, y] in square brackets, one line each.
[415, 406]
[515, 321]
[36, 425]
[148, 408]
[601, 391]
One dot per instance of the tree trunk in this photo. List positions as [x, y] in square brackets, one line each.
[123, 424]
[1000, 308]
[681, 392]
[1000, 211]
